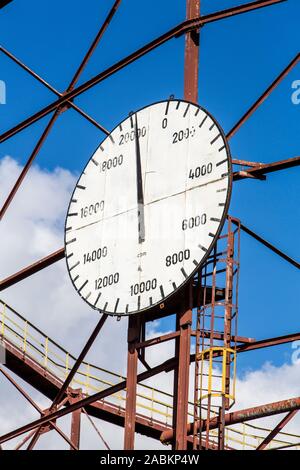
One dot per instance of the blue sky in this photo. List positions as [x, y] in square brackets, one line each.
[239, 58]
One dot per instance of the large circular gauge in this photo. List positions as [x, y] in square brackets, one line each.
[148, 207]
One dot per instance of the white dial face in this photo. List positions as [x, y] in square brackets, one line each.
[148, 207]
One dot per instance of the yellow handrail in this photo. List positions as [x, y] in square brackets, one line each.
[57, 361]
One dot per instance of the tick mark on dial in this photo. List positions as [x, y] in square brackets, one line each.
[71, 241]
[215, 139]
[74, 200]
[139, 302]
[127, 308]
[224, 174]
[202, 247]
[72, 214]
[101, 148]
[83, 285]
[105, 306]
[214, 219]
[174, 285]
[178, 104]
[211, 234]
[203, 121]
[185, 112]
[89, 294]
[150, 301]
[120, 127]
[221, 190]
[69, 256]
[162, 291]
[111, 138]
[98, 297]
[197, 111]
[75, 278]
[212, 126]
[74, 266]
[167, 108]
[222, 148]
[221, 162]
[79, 186]
[68, 229]
[221, 204]
[184, 273]
[195, 262]
[94, 161]
[116, 306]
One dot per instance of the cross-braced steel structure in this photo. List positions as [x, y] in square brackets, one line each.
[206, 312]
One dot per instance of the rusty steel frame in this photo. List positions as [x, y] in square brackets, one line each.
[277, 429]
[137, 343]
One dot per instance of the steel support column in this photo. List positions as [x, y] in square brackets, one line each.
[134, 329]
[75, 428]
[191, 56]
[181, 374]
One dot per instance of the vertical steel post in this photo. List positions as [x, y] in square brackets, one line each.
[75, 428]
[181, 374]
[134, 328]
[191, 56]
[184, 317]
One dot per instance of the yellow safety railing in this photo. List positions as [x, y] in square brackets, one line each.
[91, 379]
[213, 390]
[152, 402]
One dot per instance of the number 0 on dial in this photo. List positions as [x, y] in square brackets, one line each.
[148, 207]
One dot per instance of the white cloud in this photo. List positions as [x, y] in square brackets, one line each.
[32, 228]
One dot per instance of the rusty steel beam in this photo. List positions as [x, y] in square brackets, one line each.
[277, 429]
[21, 390]
[164, 367]
[78, 361]
[238, 10]
[181, 371]
[262, 169]
[220, 336]
[263, 343]
[96, 429]
[178, 30]
[264, 96]
[241, 416]
[245, 163]
[28, 164]
[32, 269]
[95, 43]
[191, 54]
[266, 343]
[75, 430]
[59, 108]
[134, 330]
[167, 366]
[29, 436]
[268, 245]
[158, 340]
[35, 438]
[51, 88]
[32, 402]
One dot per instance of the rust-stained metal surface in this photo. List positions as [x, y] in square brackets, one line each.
[241, 416]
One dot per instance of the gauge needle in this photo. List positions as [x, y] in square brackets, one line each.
[139, 180]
